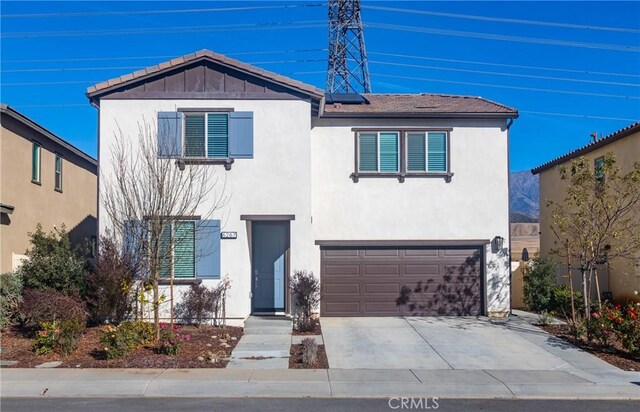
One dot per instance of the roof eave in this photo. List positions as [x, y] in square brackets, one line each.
[404, 115]
[587, 149]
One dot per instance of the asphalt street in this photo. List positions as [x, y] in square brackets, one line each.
[307, 404]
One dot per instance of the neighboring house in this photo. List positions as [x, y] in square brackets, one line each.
[45, 180]
[398, 202]
[620, 277]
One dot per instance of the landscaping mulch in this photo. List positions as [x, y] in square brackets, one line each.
[615, 355]
[315, 331]
[295, 360]
[17, 345]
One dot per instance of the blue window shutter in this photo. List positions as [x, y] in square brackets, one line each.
[437, 148]
[169, 134]
[208, 249]
[416, 161]
[388, 152]
[194, 135]
[217, 135]
[368, 146]
[241, 135]
[184, 250]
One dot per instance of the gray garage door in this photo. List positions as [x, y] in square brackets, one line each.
[409, 281]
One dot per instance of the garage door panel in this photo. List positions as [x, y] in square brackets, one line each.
[342, 270]
[401, 281]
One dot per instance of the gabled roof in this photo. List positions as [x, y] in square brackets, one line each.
[103, 88]
[603, 141]
[420, 105]
[10, 111]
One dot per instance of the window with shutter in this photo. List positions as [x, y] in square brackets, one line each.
[368, 146]
[437, 152]
[164, 251]
[184, 250]
[416, 152]
[388, 152]
[194, 135]
[217, 135]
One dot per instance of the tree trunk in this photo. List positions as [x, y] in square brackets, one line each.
[171, 294]
[595, 270]
[156, 306]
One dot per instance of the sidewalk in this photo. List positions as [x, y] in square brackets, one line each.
[504, 384]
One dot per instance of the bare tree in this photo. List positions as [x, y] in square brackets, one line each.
[598, 220]
[145, 195]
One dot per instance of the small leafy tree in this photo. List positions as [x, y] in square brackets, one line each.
[539, 282]
[305, 289]
[196, 305]
[53, 264]
[598, 219]
[110, 296]
[10, 297]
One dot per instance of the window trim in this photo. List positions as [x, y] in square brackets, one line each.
[37, 181]
[378, 171]
[55, 172]
[204, 159]
[403, 171]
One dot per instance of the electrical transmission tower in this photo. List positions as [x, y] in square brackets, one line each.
[348, 70]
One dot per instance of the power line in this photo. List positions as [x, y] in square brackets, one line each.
[502, 37]
[50, 83]
[501, 86]
[504, 20]
[158, 57]
[528, 76]
[582, 116]
[185, 29]
[143, 12]
[506, 65]
[73, 69]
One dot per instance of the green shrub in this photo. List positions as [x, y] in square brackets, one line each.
[10, 297]
[109, 295]
[52, 264]
[623, 322]
[539, 282]
[561, 300]
[62, 337]
[309, 351]
[118, 341]
[305, 289]
[39, 306]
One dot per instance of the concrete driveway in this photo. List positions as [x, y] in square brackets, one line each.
[443, 343]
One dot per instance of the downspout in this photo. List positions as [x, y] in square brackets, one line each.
[509, 123]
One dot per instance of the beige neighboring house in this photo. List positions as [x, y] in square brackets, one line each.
[45, 180]
[621, 277]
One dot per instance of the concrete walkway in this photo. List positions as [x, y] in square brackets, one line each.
[265, 344]
[446, 383]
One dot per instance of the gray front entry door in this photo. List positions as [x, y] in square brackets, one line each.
[269, 247]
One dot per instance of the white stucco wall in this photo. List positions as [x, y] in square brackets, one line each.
[474, 205]
[276, 181]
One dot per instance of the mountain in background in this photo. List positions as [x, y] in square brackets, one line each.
[524, 197]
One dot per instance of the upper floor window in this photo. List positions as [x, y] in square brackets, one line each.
[427, 152]
[206, 135]
[402, 153]
[35, 163]
[379, 152]
[58, 173]
[598, 166]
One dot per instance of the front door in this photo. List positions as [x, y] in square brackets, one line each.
[269, 248]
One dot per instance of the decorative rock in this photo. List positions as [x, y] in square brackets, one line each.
[8, 362]
[201, 359]
[77, 366]
[214, 337]
[209, 345]
[234, 338]
[225, 345]
[54, 364]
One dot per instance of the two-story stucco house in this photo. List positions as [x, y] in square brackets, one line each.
[43, 179]
[399, 203]
[620, 277]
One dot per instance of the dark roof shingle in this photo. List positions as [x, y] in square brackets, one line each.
[420, 105]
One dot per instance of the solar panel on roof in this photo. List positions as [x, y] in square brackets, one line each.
[345, 98]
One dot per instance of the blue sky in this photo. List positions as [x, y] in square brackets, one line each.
[583, 72]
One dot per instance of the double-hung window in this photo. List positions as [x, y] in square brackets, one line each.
[206, 135]
[58, 173]
[427, 152]
[35, 163]
[177, 250]
[378, 152]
